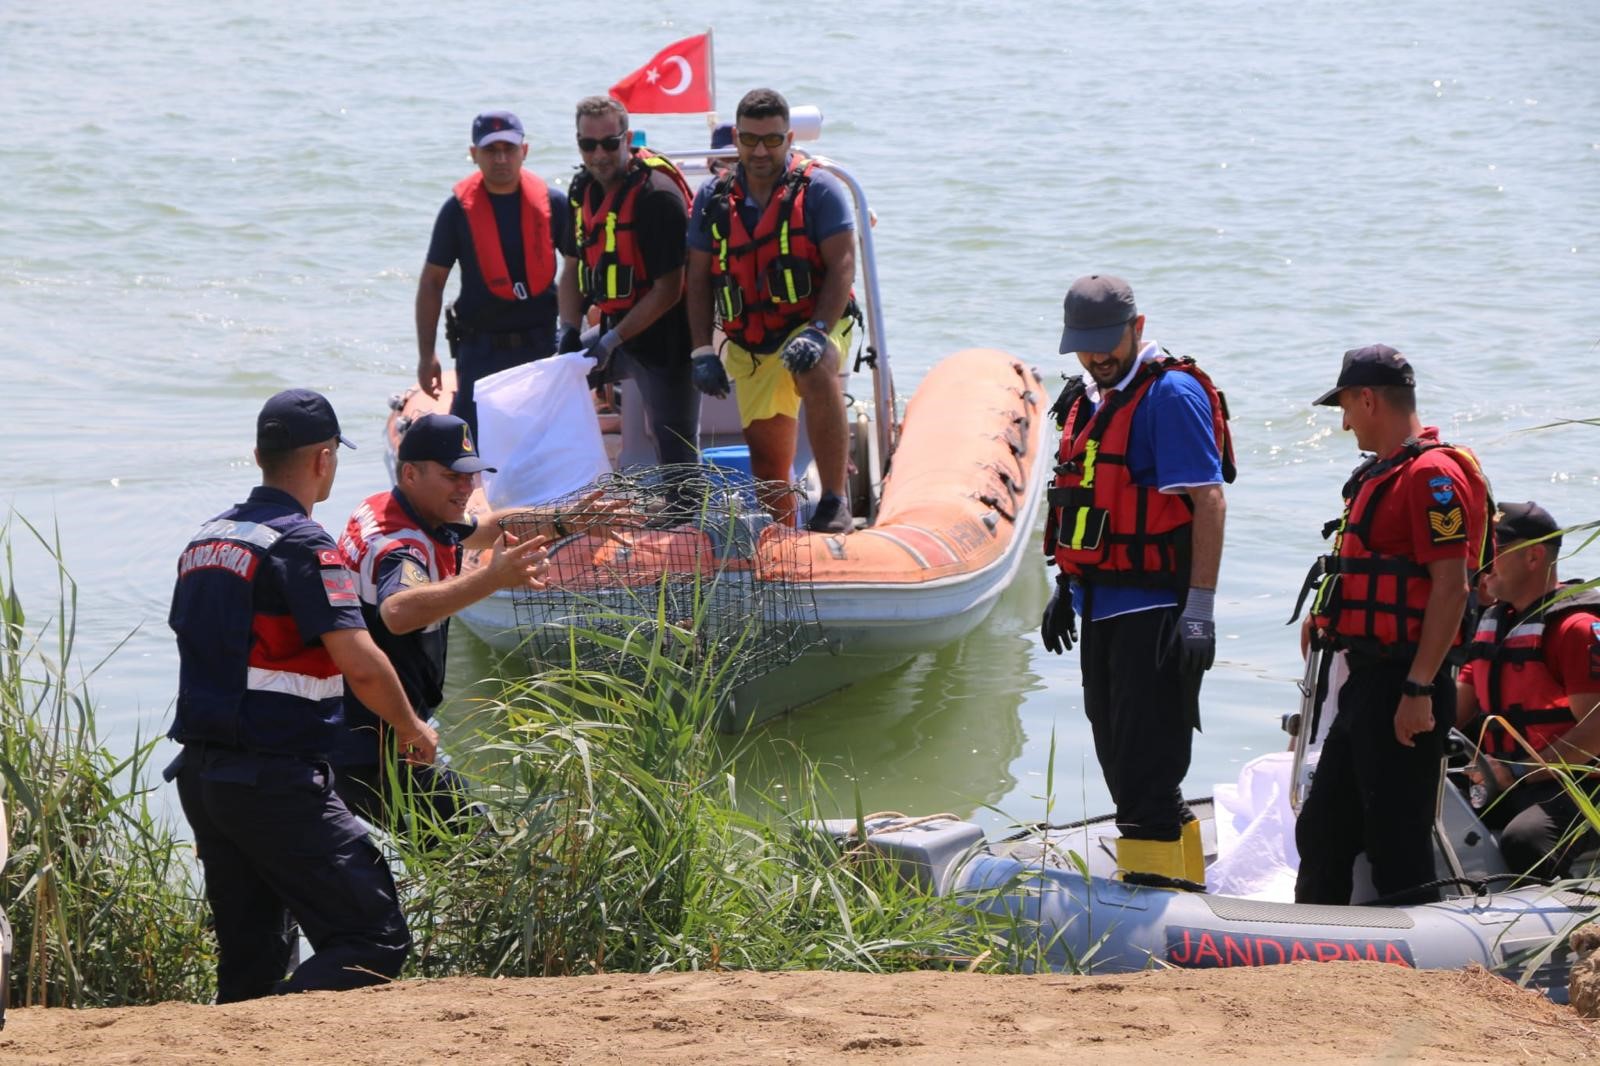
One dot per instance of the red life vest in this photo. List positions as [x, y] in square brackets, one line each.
[539, 257]
[611, 268]
[1102, 527]
[1511, 679]
[378, 527]
[765, 282]
[1370, 601]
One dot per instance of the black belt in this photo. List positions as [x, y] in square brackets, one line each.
[501, 341]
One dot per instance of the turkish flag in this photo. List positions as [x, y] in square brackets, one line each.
[675, 82]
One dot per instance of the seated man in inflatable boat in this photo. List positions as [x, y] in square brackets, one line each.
[1533, 672]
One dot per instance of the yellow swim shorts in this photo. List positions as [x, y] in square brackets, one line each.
[763, 386]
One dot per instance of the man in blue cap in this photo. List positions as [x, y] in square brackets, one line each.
[269, 634]
[404, 547]
[502, 224]
[1135, 523]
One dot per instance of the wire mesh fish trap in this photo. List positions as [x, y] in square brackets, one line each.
[687, 548]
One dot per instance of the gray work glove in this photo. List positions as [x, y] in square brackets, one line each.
[708, 373]
[804, 349]
[1059, 627]
[1197, 633]
[601, 349]
[567, 340]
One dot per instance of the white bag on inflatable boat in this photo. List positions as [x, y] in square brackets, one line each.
[536, 424]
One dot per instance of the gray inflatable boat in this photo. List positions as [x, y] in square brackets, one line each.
[1058, 884]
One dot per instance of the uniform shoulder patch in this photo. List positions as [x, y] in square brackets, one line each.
[1443, 489]
[1447, 525]
[412, 575]
[337, 581]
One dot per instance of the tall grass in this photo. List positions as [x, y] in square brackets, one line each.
[101, 893]
[622, 843]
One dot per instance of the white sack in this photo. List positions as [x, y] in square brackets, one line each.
[537, 425]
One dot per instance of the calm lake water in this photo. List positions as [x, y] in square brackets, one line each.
[206, 203]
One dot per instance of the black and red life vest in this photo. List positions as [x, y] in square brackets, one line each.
[1510, 678]
[1370, 601]
[611, 267]
[539, 257]
[1102, 527]
[766, 283]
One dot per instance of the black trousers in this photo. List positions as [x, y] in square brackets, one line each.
[275, 842]
[1532, 819]
[1371, 793]
[1143, 710]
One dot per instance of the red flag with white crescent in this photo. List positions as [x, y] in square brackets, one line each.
[676, 81]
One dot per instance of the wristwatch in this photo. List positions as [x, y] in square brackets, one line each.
[1411, 688]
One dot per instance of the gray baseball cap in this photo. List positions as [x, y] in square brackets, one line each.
[1097, 309]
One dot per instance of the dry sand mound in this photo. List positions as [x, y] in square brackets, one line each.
[1304, 1013]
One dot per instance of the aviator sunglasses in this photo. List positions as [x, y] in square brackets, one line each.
[771, 140]
[610, 144]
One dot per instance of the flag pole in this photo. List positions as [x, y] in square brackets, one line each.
[711, 72]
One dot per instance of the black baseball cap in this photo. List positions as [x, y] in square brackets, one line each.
[443, 439]
[297, 417]
[1526, 521]
[492, 126]
[722, 136]
[1370, 367]
[1096, 311]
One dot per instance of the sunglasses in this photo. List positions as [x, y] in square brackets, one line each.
[771, 140]
[610, 144]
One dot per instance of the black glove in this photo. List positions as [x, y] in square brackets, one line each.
[1197, 633]
[1059, 627]
[708, 373]
[567, 340]
[804, 349]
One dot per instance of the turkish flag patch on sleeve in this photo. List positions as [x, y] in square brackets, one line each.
[338, 582]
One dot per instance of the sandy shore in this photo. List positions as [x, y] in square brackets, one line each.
[1304, 1013]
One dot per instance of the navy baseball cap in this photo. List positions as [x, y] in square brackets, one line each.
[722, 136]
[492, 126]
[1370, 367]
[1097, 309]
[297, 417]
[1526, 521]
[443, 439]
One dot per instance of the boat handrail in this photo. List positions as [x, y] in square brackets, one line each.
[884, 406]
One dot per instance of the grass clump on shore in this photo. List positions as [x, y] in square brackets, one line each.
[103, 898]
[622, 843]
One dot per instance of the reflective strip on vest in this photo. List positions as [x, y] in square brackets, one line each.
[304, 686]
[261, 536]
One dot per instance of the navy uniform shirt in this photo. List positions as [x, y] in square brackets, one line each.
[476, 307]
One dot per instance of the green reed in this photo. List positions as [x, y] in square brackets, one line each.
[621, 842]
[101, 893]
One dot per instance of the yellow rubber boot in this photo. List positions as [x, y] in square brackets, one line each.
[1161, 857]
[1194, 855]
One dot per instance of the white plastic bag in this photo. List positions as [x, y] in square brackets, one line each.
[537, 426]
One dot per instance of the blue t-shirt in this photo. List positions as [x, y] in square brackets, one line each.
[828, 210]
[476, 307]
[1171, 446]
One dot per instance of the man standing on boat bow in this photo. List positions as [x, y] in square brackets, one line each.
[1390, 597]
[624, 254]
[501, 223]
[1135, 523]
[772, 257]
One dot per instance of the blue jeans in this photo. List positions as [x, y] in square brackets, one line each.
[477, 357]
